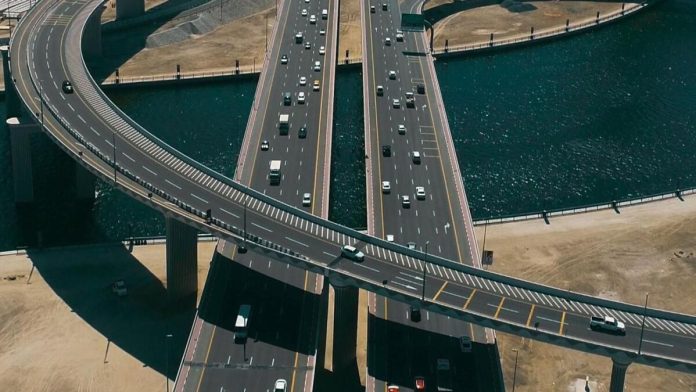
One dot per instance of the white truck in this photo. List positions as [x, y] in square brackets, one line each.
[607, 324]
[284, 123]
[274, 174]
[241, 323]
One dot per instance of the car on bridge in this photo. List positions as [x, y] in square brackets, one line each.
[67, 87]
[303, 81]
[301, 97]
[316, 86]
[352, 253]
[406, 201]
[304, 12]
[313, 19]
[298, 38]
[386, 150]
[287, 99]
[380, 90]
[387, 41]
[399, 36]
[607, 324]
[322, 50]
[386, 187]
[302, 133]
[280, 385]
[307, 45]
[392, 75]
[420, 383]
[396, 102]
[264, 145]
[420, 193]
[402, 129]
[284, 59]
[306, 199]
[372, 9]
[317, 66]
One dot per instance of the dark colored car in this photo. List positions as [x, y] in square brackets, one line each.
[420, 89]
[67, 87]
[415, 314]
[386, 150]
[287, 99]
[302, 133]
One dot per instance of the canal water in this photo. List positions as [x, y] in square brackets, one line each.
[604, 115]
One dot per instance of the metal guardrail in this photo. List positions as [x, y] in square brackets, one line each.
[226, 230]
[614, 204]
[543, 34]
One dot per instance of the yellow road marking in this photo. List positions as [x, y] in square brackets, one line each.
[500, 306]
[212, 337]
[471, 296]
[297, 354]
[531, 314]
[560, 329]
[440, 291]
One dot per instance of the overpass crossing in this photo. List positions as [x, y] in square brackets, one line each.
[46, 48]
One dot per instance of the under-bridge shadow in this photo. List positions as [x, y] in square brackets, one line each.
[274, 304]
[137, 322]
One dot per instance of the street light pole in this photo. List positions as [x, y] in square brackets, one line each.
[113, 140]
[243, 248]
[266, 30]
[425, 263]
[483, 250]
[642, 325]
[166, 359]
[514, 373]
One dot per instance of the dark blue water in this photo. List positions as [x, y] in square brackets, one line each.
[605, 115]
[609, 114]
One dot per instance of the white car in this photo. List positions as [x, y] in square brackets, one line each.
[307, 200]
[303, 81]
[317, 66]
[392, 75]
[390, 237]
[307, 45]
[304, 12]
[322, 50]
[399, 36]
[313, 19]
[280, 385]
[301, 97]
[420, 193]
[396, 103]
[351, 252]
[405, 201]
[387, 41]
[322, 32]
[306, 1]
[402, 129]
[386, 187]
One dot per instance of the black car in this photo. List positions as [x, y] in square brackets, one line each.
[67, 87]
[415, 314]
[386, 150]
[420, 89]
[287, 99]
[284, 59]
[302, 133]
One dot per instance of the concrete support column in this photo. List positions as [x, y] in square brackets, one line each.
[92, 36]
[182, 261]
[129, 8]
[20, 140]
[11, 99]
[619, 364]
[345, 324]
[84, 183]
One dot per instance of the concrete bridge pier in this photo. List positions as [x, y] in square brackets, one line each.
[12, 104]
[182, 262]
[129, 8]
[22, 173]
[345, 324]
[92, 36]
[619, 364]
[84, 183]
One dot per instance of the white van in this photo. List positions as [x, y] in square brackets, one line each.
[241, 324]
[324, 14]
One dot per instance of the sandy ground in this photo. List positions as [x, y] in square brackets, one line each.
[645, 249]
[62, 329]
[109, 13]
[349, 31]
[475, 25]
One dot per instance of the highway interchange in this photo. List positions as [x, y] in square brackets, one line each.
[45, 50]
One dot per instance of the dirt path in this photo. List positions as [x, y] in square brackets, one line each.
[645, 249]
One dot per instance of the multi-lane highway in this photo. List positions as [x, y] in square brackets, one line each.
[46, 49]
[418, 157]
[292, 84]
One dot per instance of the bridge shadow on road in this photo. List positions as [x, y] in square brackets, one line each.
[397, 353]
[138, 322]
[277, 308]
